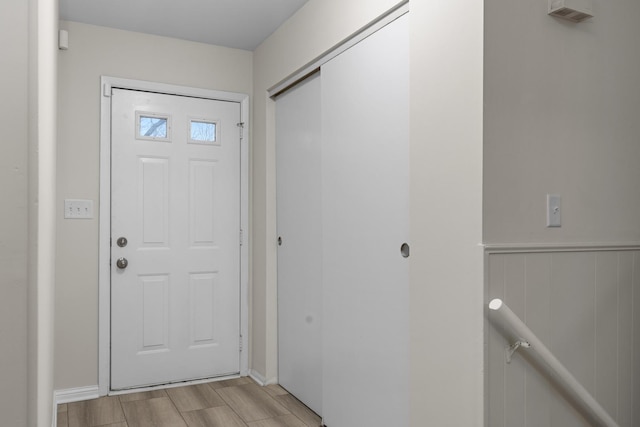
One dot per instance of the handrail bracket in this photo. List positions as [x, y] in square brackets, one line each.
[510, 349]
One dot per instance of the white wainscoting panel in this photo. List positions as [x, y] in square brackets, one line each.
[585, 306]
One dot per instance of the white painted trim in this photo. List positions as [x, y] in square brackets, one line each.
[306, 70]
[78, 394]
[506, 248]
[104, 278]
[260, 379]
[244, 224]
[104, 240]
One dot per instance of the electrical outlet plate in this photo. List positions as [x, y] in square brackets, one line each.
[78, 209]
[554, 210]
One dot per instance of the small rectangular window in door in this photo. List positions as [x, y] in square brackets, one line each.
[203, 131]
[152, 126]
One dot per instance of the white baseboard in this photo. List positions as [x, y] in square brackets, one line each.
[75, 394]
[260, 379]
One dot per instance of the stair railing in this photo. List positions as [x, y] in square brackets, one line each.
[523, 338]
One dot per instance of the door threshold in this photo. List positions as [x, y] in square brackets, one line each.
[172, 385]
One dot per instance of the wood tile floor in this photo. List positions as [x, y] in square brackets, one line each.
[231, 403]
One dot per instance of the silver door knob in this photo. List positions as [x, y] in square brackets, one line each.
[122, 263]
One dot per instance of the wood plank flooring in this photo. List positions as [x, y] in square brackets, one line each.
[231, 403]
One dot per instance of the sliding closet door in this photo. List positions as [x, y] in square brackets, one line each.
[365, 216]
[300, 242]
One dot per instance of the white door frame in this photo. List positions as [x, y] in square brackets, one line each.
[104, 278]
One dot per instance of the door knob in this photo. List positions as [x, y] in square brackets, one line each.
[122, 263]
[122, 242]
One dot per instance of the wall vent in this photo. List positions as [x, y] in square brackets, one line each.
[573, 10]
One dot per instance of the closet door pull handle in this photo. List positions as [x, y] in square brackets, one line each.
[405, 250]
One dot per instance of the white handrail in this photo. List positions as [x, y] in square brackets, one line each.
[517, 330]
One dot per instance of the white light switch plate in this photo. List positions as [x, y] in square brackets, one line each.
[554, 210]
[78, 209]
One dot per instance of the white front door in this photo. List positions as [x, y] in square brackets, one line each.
[175, 251]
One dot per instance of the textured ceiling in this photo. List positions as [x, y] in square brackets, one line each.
[241, 24]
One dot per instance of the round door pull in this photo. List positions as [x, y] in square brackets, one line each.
[122, 263]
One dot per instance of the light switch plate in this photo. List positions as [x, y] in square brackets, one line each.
[554, 210]
[78, 209]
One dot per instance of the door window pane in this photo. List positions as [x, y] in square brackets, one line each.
[153, 126]
[203, 132]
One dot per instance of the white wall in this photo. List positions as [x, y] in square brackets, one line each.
[13, 213]
[562, 115]
[43, 67]
[95, 51]
[446, 213]
[446, 193]
[27, 116]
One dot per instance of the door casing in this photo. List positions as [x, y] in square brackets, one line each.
[104, 279]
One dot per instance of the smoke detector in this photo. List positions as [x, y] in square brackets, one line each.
[573, 10]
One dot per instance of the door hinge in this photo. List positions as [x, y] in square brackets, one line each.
[241, 343]
[106, 91]
[241, 237]
[241, 126]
